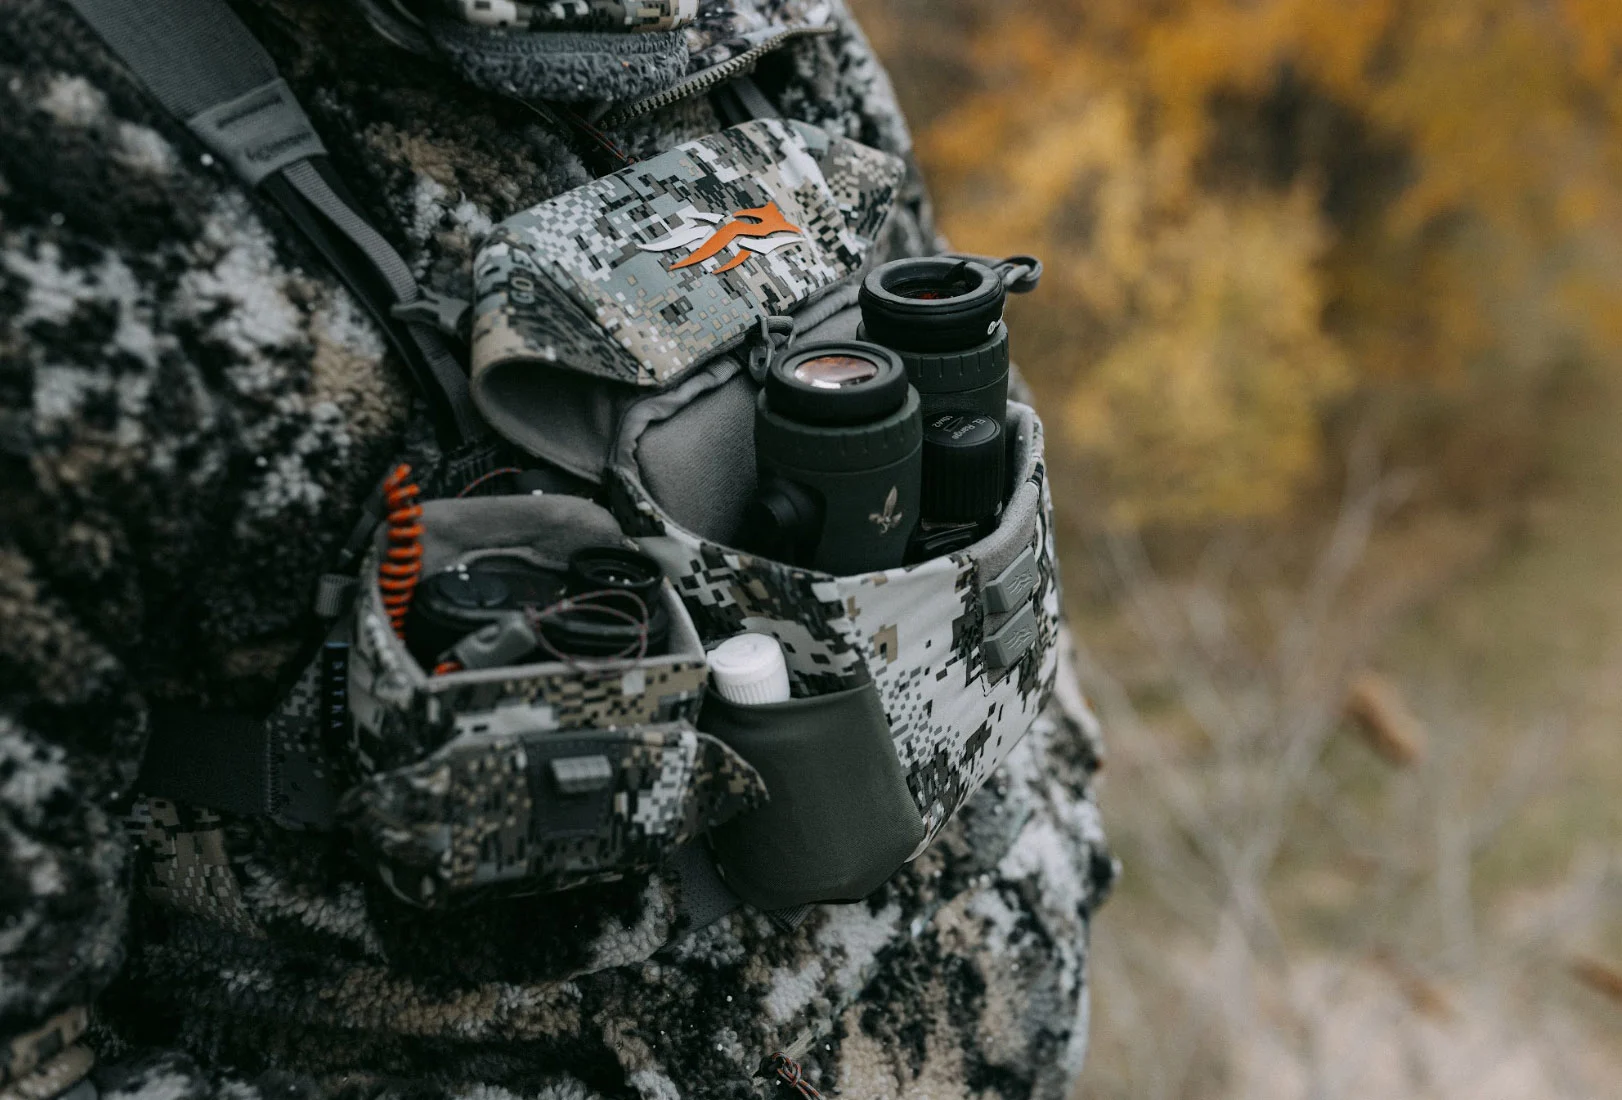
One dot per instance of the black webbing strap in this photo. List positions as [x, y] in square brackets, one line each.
[217, 759]
[741, 100]
[208, 70]
[254, 765]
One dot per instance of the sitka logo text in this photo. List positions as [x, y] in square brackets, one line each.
[759, 230]
[889, 519]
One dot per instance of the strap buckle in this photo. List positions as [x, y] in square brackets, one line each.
[451, 317]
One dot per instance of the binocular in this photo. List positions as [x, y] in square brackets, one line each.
[889, 449]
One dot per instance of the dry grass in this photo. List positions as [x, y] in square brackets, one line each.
[1343, 882]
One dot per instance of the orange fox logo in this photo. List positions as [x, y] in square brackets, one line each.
[756, 231]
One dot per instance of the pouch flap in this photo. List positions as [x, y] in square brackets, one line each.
[642, 275]
[545, 810]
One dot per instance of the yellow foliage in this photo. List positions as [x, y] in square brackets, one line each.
[1211, 407]
[1253, 208]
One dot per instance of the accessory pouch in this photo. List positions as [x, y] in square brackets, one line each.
[535, 777]
[960, 651]
[839, 820]
[628, 283]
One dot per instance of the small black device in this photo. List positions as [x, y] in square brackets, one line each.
[964, 482]
[837, 442]
[603, 605]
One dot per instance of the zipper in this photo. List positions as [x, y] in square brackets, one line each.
[711, 77]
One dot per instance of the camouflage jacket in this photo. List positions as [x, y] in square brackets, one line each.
[191, 411]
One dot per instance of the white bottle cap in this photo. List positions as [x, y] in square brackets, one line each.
[749, 670]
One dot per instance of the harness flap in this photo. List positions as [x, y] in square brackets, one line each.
[641, 276]
[545, 810]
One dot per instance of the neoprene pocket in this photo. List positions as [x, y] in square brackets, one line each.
[839, 819]
[533, 777]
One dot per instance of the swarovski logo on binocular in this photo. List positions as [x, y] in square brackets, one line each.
[890, 449]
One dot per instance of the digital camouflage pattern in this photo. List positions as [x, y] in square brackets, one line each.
[629, 15]
[918, 632]
[545, 809]
[187, 867]
[24, 1054]
[677, 257]
[458, 773]
[723, 31]
[191, 413]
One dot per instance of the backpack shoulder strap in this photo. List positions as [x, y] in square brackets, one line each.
[207, 70]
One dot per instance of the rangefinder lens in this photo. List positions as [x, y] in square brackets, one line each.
[836, 372]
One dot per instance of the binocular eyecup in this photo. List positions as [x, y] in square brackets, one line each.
[943, 316]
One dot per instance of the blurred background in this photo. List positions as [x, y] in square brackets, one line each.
[1330, 354]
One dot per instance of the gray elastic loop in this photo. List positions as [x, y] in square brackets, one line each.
[776, 335]
[259, 132]
[308, 182]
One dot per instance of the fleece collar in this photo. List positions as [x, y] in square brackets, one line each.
[573, 15]
[588, 51]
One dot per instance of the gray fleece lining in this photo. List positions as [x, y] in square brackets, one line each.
[699, 465]
[566, 66]
[549, 527]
